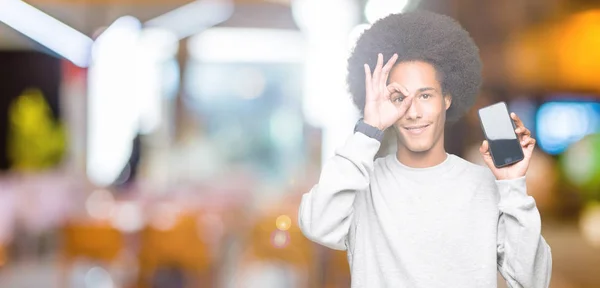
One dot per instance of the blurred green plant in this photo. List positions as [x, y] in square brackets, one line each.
[581, 165]
[36, 141]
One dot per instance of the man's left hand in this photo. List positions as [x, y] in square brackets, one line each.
[516, 170]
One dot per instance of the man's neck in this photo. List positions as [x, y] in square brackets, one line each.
[435, 156]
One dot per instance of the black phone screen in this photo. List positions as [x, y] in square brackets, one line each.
[499, 130]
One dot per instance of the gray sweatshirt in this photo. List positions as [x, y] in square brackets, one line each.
[450, 225]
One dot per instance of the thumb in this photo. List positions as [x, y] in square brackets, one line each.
[484, 150]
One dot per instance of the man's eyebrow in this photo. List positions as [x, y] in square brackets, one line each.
[425, 89]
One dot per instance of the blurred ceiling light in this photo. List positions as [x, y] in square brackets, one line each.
[325, 102]
[245, 45]
[155, 48]
[194, 17]
[113, 117]
[158, 43]
[377, 9]
[324, 17]
[49, 32]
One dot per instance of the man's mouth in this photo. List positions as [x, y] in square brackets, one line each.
[416, 129]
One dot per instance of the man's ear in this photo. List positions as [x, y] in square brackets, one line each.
[448, 100]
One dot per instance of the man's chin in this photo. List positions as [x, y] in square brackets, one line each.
[419, 150]
[416, 148]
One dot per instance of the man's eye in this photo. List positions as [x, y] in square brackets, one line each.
[398, 98]
[425, 96]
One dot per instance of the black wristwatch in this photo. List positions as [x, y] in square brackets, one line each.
[368, 130]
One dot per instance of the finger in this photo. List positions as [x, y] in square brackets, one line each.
[485, 154]
[377, 71]
[523, 131]
[518, 121]
[528, 149]
[484, 148]
[404, 105]
[368, 79]
[386, 70]
[529, 142]
[523, 141]
[393, 88]
[404, 90]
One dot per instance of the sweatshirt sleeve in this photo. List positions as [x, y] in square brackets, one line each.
[524, 257]
[326, 211]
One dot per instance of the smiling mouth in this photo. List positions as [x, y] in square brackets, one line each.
[417, 129]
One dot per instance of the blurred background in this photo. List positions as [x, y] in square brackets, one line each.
[167, 143]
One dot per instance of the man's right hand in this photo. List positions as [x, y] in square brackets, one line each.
[385, 104]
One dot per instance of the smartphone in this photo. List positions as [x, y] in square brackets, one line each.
[499, 130]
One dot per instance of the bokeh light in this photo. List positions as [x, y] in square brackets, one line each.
[280, 239]
[283, 222]
[128, 217]
[100, 204]
[562, 123]
[165, 216]
[581, 165]
[589, 224]
[98, 277]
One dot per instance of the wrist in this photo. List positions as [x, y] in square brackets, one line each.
[369, 130]
[507, 176]
[373, 124]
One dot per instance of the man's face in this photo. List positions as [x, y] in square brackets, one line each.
[422, 127]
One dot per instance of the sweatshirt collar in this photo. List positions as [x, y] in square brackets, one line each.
[437, 170]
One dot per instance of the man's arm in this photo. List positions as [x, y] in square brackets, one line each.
[326, 212]
[524, 257]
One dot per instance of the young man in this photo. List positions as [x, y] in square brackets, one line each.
[422, 217]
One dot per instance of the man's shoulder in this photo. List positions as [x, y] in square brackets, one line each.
[475, 172]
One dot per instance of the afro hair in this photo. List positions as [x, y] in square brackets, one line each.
[421, 36]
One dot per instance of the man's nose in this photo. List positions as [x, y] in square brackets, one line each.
[413, 111]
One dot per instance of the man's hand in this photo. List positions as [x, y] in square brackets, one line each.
[381, 109]
[518, 169]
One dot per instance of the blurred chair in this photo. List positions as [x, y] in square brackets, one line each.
[177, 249]
[288, 247]
[97, 241]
